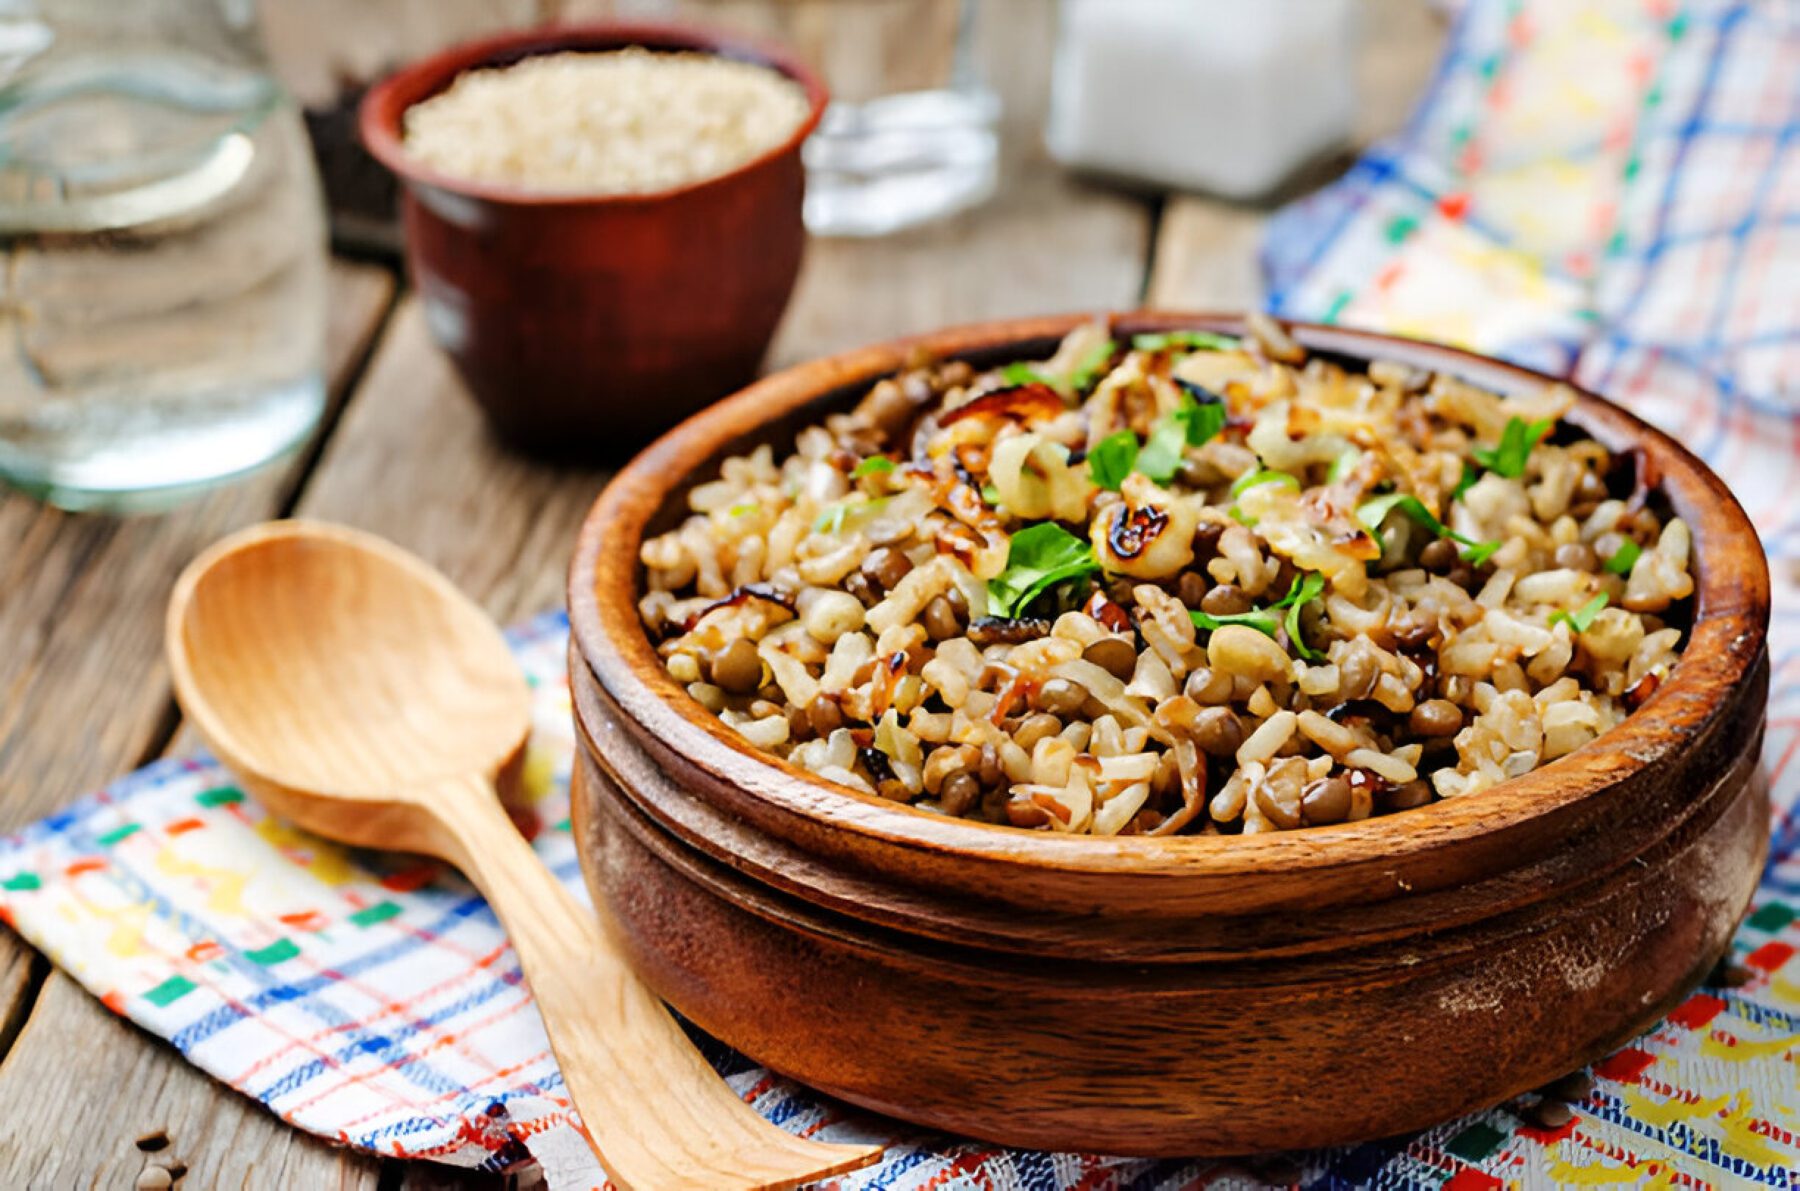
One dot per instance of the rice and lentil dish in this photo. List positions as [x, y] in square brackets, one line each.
[614, 122]
[1174, 584]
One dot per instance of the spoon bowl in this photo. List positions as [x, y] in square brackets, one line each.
[354, 690]
[402, 683]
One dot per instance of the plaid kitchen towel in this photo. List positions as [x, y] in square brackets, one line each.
[1606, 188]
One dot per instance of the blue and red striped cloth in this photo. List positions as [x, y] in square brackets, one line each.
[1607, 188]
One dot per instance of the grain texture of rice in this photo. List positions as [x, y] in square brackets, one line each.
[1174, 585]
[617, 122]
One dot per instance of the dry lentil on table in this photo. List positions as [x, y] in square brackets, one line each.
[1573, 1087]
[1548, 1114]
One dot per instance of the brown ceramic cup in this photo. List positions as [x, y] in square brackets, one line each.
[585, 325]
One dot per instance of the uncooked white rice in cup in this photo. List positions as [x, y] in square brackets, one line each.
[610, 122]
[1179, 583]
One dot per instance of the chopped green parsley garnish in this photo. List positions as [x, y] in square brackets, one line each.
[1583, 617]
[1305, 588]
[1038, 558]
[1476, 553]
[1624, 558]
[1371, 513]
[1311, 584]
[1205, 412]
[1204, 341]
[1469, 476]
[1112, 459]
[1024, 374]
[1508, 458]
[1253, 479]
[1199, 417]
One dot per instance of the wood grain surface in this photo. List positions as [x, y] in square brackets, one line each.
[82, 696]
[83, 699]
[1212, 1058]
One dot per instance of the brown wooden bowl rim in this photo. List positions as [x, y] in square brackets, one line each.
[382, 108]
[1727, 636]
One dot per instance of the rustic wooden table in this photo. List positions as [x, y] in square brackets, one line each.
[84, 696]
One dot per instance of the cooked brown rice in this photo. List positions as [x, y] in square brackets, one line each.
[1180, 584]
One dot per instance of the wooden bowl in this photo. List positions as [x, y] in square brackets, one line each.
[584, 325]
[1207, 995]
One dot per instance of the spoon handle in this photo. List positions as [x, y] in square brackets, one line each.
[658, 1116]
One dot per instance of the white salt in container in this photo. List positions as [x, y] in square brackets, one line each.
[1228, 96]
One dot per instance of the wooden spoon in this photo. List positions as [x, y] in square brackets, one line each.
[356, 692]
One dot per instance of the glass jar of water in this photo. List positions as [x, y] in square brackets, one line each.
[162, 302]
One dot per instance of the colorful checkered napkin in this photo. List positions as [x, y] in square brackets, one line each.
[1607, 188]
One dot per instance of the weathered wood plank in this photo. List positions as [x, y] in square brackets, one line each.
[1046, 244]
[1206, 256]
[83, 697]
[80, 1085]
[21, 970]
[412, 460]
[1206, 247]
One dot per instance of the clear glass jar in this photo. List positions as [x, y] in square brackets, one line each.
[910, 135]
[162, 306]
